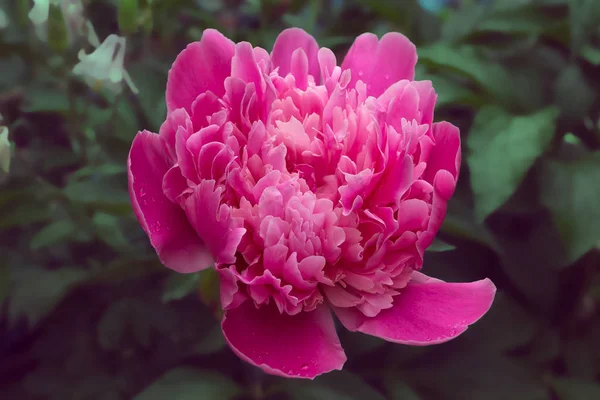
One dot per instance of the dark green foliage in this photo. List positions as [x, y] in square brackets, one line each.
[87, 311]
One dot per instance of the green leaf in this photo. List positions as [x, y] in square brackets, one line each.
[190, 384]
[336, 385]
[179, 286]
[46, 100]
[584, 16]
[573, 94]
[575, 389]
[400, 390]
[473, 375]
[108, 228]
[460, 222]
[24, 215]
[52, 233]
[212, 342]
[495, 332]
[569, 191]
[502, 148]
[35, 291]
[4, 282]
[592, 54]
[135, 319]
[12, 70]
[102, 195]
[439, 246]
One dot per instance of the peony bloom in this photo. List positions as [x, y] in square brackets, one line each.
[312, 188]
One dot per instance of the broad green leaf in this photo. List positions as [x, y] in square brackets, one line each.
[107, 228]
[151, 83]
[337, 385]
[179, 286]
[513, 88]
[190, 384]
[24, 215]
[461, 222]
[575, 389]
[473, 375]
[400, 390]
[570, 191]
[592, 54]
[12, 70]
[462, 22]
[133, 318]
[573, 94]
[52, 233]
[212, 342]
[584, 16]
[439, 246]
[496, 331]
[4, 282]
[102, 195]
[35, 291]
[502, 148]
[532, 257]
[46, 100]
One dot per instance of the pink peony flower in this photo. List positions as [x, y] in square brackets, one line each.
[312, 188]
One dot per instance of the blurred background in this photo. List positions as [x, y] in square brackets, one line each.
[86, 310]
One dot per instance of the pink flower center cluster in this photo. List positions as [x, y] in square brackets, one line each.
[306, 191]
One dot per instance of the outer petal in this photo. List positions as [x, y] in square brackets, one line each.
[381, 63]
[287, 42]
[425, 313]
[301, 346]
[202, 66]
[446, 152]
[175, 241]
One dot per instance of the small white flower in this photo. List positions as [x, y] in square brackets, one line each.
[72, 12]
[4, 148]
[104, 66]
[4, 21]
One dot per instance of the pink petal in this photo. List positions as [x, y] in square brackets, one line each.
[286, 44]
[174, 184]
[425, 313]
[213, 223]
[381, 63]
[174, 240]
[301, 346]
[443, 188]
[200, 67]
[445, 155]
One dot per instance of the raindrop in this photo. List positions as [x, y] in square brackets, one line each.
[304, 367]
[360, 73]
[142, 192]
[387, 76]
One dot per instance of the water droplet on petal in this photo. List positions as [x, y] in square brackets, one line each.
[387, 76]
[304, 367]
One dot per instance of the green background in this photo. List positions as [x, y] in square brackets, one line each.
[87, 312]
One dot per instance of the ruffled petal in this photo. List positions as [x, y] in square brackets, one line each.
[425, 313]
[287, 43]
[201, 67]
[174, 240]
[445, 155]
[301, 346]
[213, 222]
[381, 63]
